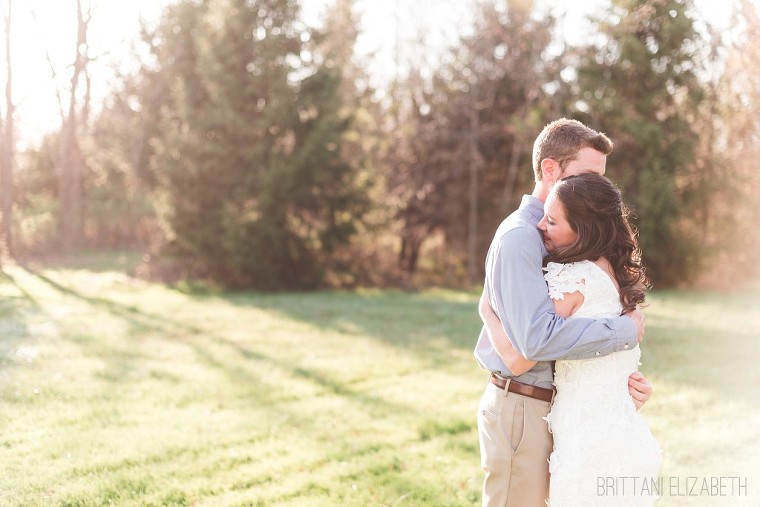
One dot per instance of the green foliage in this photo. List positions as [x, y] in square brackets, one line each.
[36, 199]
[639, 84]
[119, 189]
[249, 156]
[251, 148]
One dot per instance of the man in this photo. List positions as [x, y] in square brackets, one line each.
[515, 443]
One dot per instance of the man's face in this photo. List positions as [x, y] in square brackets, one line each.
[588, 161]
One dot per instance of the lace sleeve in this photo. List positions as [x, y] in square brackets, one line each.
[564, 278]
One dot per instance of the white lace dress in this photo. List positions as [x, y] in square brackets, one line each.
[604, 453]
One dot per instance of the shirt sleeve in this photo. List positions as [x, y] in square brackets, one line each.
[519, 295]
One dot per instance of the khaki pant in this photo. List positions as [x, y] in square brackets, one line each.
[515, 445]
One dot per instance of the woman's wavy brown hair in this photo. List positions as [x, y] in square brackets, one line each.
[595, 209]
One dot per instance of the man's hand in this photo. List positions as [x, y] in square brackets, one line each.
[640, 389]
[638, 321]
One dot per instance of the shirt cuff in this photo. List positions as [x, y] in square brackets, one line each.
[626, 336]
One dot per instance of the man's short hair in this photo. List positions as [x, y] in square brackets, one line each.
[562, 139]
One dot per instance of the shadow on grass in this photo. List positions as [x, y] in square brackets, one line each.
[246, 366]
[690, 349]
[429, 325]
[197, 337]
[683, 350]
[15, 312]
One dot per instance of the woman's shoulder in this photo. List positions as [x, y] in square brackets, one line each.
[565, 278]
[567, 268]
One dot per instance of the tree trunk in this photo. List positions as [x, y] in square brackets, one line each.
[474, 167]
[69, 187]
[512, 168]
[6, 164]
[69, 162]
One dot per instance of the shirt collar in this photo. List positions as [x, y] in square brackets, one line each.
[533, 206]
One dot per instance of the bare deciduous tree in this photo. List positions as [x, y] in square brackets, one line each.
[6, 158]
[68, 162]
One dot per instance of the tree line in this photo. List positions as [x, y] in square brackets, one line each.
[250, 149]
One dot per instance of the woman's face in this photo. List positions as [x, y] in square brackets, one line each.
[554, 226]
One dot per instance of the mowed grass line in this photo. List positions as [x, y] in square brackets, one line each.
[142, 395]
[114, 391]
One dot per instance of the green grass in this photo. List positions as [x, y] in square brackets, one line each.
[115, 391]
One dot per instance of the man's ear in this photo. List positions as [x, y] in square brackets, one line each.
[550, 170]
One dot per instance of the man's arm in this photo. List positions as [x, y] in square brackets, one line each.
[520, 298]
[500, 342]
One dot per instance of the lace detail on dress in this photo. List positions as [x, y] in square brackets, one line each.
[597, 430]
[564, 278]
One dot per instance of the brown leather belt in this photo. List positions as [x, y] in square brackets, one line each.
[538, 393]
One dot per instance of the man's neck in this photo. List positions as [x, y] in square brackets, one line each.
[540, 191]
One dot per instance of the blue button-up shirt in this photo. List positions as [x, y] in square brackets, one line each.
[517, 292]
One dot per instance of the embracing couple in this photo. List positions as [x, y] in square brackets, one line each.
[561, 337]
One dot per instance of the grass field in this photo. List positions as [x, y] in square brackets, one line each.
[115, 391]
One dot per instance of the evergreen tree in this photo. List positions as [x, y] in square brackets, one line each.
[257, 193]
[638, 83]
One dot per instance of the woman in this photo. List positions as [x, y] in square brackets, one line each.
[593, 270]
